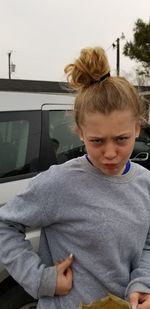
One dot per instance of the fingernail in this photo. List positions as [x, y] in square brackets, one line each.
[71, 255]
[134, 306]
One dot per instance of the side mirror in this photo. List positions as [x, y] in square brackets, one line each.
[141, 156]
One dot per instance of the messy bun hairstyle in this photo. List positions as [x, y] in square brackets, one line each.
[90, 67]
[96, 90]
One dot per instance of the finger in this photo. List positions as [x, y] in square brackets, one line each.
[58, 262]
[134, 299]
[145, 305]
[134, 306]
[68, 274]
[145, 302]
[69, 278]
[66, 263]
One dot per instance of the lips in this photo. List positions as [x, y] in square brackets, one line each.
[111, 166]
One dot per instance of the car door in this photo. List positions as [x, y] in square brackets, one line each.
[20, 134]
[60, 142]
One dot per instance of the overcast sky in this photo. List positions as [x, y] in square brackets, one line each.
[45, 35]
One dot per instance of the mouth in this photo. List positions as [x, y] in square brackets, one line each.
[111, 166]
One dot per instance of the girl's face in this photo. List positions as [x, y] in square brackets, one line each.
[109, 139]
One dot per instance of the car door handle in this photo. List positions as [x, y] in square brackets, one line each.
[141, 156]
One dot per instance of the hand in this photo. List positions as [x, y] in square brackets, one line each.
[139, 300]
[64, 276]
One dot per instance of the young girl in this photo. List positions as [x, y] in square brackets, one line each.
[95, 207]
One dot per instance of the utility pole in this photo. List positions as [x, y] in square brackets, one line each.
[117, 45]
[9, 64]
[118, 56]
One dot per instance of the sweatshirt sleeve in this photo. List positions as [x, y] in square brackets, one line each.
[140, 276]
[28, 209]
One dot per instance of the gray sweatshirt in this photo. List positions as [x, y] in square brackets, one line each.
[102, 220]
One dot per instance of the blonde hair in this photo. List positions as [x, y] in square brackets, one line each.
[96, 90]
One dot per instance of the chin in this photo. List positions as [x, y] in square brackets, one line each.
[113, 172]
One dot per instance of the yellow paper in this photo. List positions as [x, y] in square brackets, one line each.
[109, 302]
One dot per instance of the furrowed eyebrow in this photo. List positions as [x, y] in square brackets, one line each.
[123, 134]
[95, 137]
[105, 137]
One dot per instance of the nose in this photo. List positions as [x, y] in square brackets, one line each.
[110, 151]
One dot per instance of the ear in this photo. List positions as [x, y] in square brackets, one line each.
[137, 129]
[80, 133]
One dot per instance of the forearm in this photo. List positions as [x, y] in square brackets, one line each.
[140, 276]
[23, 264]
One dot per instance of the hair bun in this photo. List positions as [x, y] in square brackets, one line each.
[90, 67]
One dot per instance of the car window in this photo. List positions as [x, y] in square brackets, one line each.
[65, 141]
[13, 145]
[19, 143]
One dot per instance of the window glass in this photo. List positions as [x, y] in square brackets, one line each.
[14, 138]
[18, 131]
[65, 141]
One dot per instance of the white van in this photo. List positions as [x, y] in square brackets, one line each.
[35, 132]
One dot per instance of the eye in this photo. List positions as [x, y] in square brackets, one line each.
[96, 141]
[122, 139]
